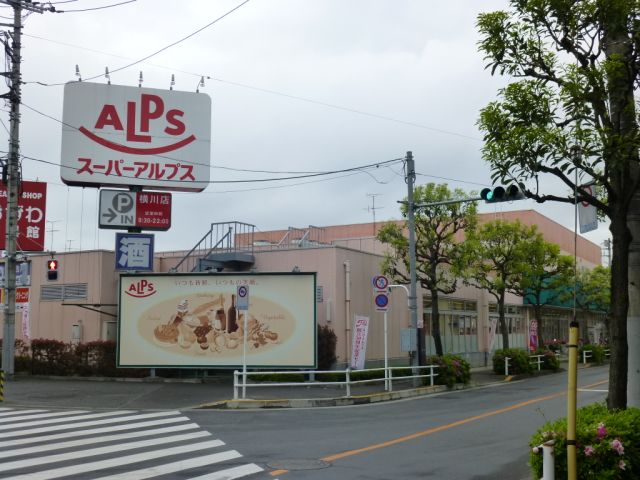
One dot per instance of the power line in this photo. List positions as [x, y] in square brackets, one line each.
[94, 8]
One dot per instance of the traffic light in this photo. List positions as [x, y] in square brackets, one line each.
[52, 269]
[502, 194]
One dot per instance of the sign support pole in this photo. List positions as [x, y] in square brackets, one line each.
[386, 355]
[244, 354]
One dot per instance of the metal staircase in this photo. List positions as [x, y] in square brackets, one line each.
[226, 246]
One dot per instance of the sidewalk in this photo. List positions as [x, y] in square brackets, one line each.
[212, 392]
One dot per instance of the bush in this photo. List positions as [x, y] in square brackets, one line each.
[52, 357]
[597, 353]
[518, 361]
[549, 361]
[97, 358]
[608, 444]
[326, 347]
[451, 369]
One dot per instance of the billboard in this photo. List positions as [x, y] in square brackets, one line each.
[114, 135]
[192, 320]
[32, 208]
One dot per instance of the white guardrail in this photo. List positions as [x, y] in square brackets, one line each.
[537, 359]
[240, 378]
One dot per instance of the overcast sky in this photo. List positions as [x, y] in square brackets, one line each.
[319, 85]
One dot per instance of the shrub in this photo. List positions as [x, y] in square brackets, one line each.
[97, 358]
[608, 444]
[451, 369]
[326, 347]
[549, 361]
[597, 353]
[519, 361]
[52, 357]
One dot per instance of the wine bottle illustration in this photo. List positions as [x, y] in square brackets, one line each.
[232, 315]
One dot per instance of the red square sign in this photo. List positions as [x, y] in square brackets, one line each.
[32, 204]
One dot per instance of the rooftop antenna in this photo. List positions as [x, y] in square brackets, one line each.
[200, 84]
[373, 209]
[140, 79]
[173, 81]
[107, 76]
[78, 73]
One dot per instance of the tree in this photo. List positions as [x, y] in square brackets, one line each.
[592, 289]
[437, 247]
[544, 275]
[495, 255]
[571, 115]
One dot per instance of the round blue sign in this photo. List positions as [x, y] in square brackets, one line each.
[242, 291]
[380, 282]
[382, 300]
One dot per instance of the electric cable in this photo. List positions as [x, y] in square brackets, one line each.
[95, 8]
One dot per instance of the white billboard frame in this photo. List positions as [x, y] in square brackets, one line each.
[116, 135]
[172, 320]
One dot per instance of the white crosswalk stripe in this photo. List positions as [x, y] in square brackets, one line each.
[127, 445]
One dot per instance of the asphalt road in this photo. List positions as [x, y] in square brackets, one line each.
[81, 430]
[471, 434]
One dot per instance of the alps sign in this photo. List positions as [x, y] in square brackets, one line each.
[114, 135]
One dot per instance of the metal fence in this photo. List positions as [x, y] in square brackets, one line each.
[240, 383]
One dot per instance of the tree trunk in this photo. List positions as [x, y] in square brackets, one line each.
[619, 305]
[435, 323]
[537, 313]
[502, 322]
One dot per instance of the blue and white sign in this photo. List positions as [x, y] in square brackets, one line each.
[243, 297]
[134, 251]
[382, 302]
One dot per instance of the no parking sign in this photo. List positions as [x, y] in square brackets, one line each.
[243, 298]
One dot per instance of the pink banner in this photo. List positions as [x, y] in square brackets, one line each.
[359, 345]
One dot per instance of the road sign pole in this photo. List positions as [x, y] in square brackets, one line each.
[244, 355]
[386, 355]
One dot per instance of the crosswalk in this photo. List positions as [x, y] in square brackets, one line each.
[38, 444]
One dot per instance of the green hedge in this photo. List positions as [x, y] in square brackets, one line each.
[550, 360]
[519, 361]
[451, 369]
[608, 444]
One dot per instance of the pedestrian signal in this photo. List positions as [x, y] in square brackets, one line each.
[52, 269]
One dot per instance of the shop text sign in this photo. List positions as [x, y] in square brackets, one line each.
[121, 209]
[32, 204]
[117, 135]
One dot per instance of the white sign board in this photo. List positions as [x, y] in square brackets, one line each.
[242, 297]
[587, 213]
[117, 135]
[359, 344]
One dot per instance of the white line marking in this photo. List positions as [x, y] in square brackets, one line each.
[174, 467]
[139, 457]
[89, 441]
[63, 457]
[21, 425]
[81, 433]
[19, 412]
[592, 390]
[230, 473]
[40, 415]
[71, 426]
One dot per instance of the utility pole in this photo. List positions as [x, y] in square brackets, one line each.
[413, 291]
[13, 181]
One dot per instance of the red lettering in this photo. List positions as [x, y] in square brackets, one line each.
[146, 114]
[133, 288]
[131, 125]
[143, 285]
[178, 126]
[109, 116]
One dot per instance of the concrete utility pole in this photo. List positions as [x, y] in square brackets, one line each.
[413, 291]
[13, 184]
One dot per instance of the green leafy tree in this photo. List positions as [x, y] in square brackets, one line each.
[570, 112]
[438, 229]
[544, 275]
[495, 258]
[593, 289]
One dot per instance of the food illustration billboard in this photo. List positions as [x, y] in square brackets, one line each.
[193, 320]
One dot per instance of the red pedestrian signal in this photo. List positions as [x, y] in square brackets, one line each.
[52, 269]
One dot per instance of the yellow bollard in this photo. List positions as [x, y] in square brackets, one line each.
[1, 385]
[572, 467]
